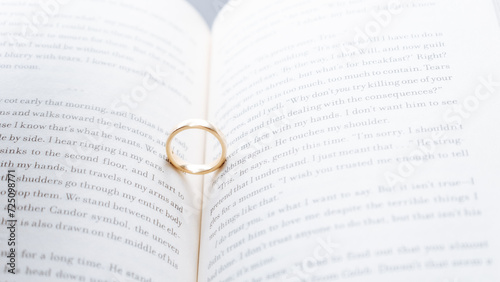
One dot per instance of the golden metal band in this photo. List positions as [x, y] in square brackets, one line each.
[184, 166]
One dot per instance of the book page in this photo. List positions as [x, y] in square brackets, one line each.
[89, 91]
[362, 139]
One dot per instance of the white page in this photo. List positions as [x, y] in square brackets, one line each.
[65, 68]
[329, 178]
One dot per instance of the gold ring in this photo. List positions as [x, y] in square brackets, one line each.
[196, 168]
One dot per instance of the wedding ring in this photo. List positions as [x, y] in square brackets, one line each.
[184, 166]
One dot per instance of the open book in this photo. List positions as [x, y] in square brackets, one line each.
[362, 141]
